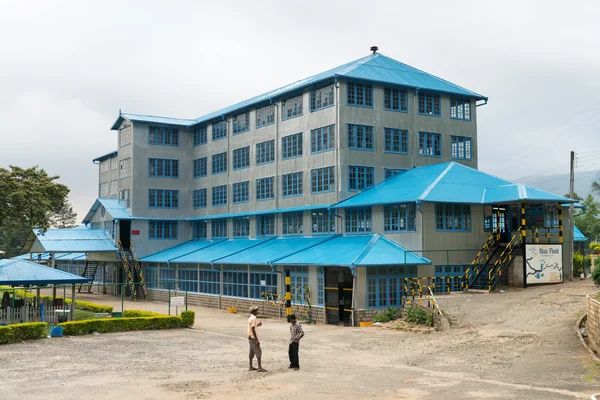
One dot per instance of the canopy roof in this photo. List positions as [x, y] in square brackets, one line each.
[577, 235]
[112, 206]
[21, 272]
[60, 256]
[76, 240]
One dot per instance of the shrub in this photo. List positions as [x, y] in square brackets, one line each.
[188, 318]
[386, 316]
[97, 308]
[139, 313]
[74, 328]
[19, 332]
[416, 315]
[596, 274]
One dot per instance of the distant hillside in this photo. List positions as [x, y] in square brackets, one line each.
[559, 184]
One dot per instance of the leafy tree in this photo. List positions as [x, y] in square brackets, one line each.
[29, 198]
[575, 196]
[65, 217]
[588, 222]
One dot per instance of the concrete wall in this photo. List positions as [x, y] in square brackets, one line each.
[592, 326]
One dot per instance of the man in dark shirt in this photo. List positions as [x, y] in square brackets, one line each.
[296, 333]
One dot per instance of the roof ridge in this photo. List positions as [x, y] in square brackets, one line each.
[366, 249]
[437, 180]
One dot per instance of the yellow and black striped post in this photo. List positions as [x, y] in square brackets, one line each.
[560, 224]
[537, 237]
[523, 224]
[288, 293]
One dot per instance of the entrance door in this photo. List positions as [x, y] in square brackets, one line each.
[125, 233]
[338, 296]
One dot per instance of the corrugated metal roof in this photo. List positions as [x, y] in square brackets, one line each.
[577, 235]
[262, 212]
[74, 240]
[112, 206]
[374, 67]
[179, 251]
[60, 256]
[449, 183]
[22, 272]
[106, 156]
[359, 250]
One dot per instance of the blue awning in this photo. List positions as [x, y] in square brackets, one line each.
[15, 272]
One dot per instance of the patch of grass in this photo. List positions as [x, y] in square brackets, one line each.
[83, 314]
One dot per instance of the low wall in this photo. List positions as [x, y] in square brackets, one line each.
[592, 326]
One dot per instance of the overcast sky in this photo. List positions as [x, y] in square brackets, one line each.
[67, 67]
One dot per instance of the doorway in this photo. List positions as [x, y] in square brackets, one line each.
[125, 233]
[338, 296]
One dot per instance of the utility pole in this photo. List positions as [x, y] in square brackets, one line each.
[571, 213]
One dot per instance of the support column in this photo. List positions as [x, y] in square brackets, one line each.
[72, 302]
[524, 243]
[288, 294]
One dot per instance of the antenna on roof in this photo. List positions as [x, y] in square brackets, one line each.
[374, 49]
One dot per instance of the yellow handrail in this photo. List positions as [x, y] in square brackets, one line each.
[491, 241]
[127, 269]
[496, 270]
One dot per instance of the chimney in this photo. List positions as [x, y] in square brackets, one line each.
[374, 49]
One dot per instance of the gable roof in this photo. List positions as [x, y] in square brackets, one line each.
[107, 156]
[447, 183]
[74, 240]
[577, 235]
[373, 68]
[112, 206]
[23, 272]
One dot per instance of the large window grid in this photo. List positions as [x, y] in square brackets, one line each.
[114, 187]
[292, 223]
[453, 217]
[219, 163]
[241, 158]
[360, 178]
[161, 198]
[429, 104]
[322, 221]
[265, 152]
[219, 195]
[264, 188]
[358, 220]
[241, 227]
[291, 184]
[299, 284]
[360, 94]
[241, 192]
[199, 198]
[256, 283]
[460, 109]
[460, 147]
[395, 99]
[219, 130]
[209, 281]
[360, 137]
[187, 279]
[200, 135]
[399, 218]
[163, 168]
[449, 278]
[114, 163]
[385, 285]
[265, 225]
[162, 229]
[125, 135]
[125, 168]
[322, 139]
[219, 228]
[199, 230]
[241, 123]
[200, 167]
[291, 108]
[265, 116]
[104, 166]
[321, 98]
[163, 136]
[430, 144]
[320, 286]
[322, 180]
[104, 189]
[235, 282]
[291, 146]
[167, 278]
[396, 141]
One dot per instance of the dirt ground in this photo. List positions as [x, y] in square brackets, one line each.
[516, 345]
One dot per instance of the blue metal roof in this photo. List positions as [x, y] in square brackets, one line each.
[449, 183]
[577, 235]
[359, 250]
[374, 68]
[46, 256]
[22, 272]
[179, 251]
[261, 212]
[112, 206]
[106, 156]
[74, 240]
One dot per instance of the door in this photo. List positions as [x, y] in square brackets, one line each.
[338, 296]
[125, 233]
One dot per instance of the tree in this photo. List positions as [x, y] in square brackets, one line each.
[64, 217]
[588, 222]
[575, 196]
[29, 198]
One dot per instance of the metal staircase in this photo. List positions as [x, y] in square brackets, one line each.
[89, 272]
[506, 257]
[136, 288]
[482, 259]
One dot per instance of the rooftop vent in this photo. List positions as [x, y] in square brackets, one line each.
[374, 49]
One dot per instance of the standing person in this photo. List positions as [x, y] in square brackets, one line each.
[296, 333]
[255, 349]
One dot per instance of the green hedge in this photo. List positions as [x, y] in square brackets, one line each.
[140, 313]
[79, 304]
[188, 318]
[84, 327]
[19, 332]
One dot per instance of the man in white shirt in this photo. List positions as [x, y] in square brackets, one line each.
[255, 349]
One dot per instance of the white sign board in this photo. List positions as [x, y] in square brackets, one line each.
[177, 301]
[544, 263]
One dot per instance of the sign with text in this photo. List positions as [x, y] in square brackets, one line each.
[544, 263]
[177, 301]
[135, 232]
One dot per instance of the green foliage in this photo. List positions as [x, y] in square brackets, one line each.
[139, 313]
[588, 222]
[188, 318]
[29, 198]
[79, 304]
[595, 247]
[596, 274]
[386, 316]
[416, 315]
[75, 328]
[19, 332]
[64, 217]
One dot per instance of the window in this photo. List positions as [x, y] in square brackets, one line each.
[199, 229]
[264, 189]
[360, 177]
[104, 189]
[385, 285]
[199, 198]
[429, 104]
[114, 187]
[114, 163]
[399, 218]
[322, 180]
[452, 217]
[322, 222]
[200, 135]
[125, 133]
[161, 198]
[162, 229]
[241, 158]
[461, 147]
[95, 225]
[104, 166]
[321, 98]
[291, 146]
[291, 184]
[241, 123]
[125, 168]
[200, 167]
[291, 108]
[320, 286]
[430, 144]
[209, 281]
[163, 136]
[256, 283]
[460, 109]
[219, 130]
[550, 216]
[392, 172]
[219, 228]
[449, 278]
[293, 223]
[187, 279]
[360, 94]
[241, 227]
[124, 197]
[265, 225]
[219, 195]
[265, 152]
[265, 116]
[219, 163]
[360, 137]
[396, 141]
[109, 228]
[241, 192]
[235, 283]
[299, 284]
[167, 278]
[358, 220]
[163, 168]
[395, 99]
[322, 139]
